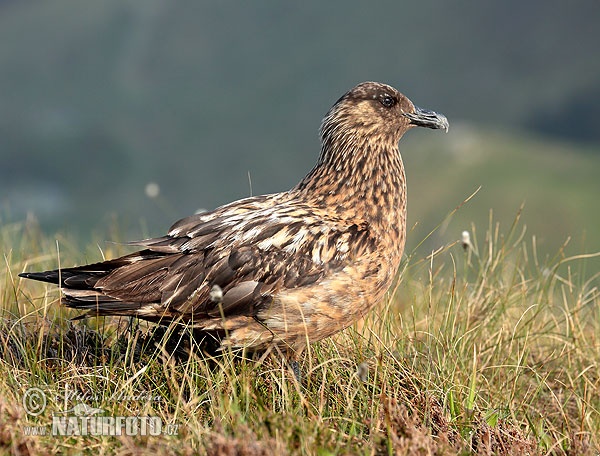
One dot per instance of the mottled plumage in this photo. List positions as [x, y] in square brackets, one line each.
[284, 269]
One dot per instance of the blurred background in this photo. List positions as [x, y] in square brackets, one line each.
[145, 111]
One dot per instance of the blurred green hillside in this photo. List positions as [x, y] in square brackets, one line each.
[98, 99]
[556, 182]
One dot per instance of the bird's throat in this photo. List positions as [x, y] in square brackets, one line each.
[363, 179]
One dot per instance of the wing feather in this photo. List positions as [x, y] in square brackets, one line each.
[252, 251]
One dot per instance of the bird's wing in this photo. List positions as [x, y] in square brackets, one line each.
[249, 251]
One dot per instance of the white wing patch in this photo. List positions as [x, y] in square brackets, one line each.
[274, 241]
[297, 241]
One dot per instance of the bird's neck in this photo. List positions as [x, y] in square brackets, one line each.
[360, 178]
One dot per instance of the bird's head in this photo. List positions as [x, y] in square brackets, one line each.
[379, 111]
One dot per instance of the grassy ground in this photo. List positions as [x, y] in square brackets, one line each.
[486, 349]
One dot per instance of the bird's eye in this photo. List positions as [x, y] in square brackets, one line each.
[388, 101]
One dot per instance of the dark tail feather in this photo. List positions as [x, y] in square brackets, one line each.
[46, 276]
[85, 277]
[78, 278]
[79, 286]
[100, 305]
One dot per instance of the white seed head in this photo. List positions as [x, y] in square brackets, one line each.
[466, 239]
[216, 293]
[152, 190]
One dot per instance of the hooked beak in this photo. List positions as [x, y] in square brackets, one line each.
[429, 119]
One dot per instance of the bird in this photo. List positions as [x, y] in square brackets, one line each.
[280, 270]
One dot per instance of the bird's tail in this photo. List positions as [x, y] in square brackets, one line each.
[79, 289]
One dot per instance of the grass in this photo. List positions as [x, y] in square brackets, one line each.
[486, 349]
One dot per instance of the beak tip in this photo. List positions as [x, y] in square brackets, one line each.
[428, 119]
[442, 122]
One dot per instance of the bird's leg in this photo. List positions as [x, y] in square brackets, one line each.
[132, 326]
[295, 367]
[292, 361]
